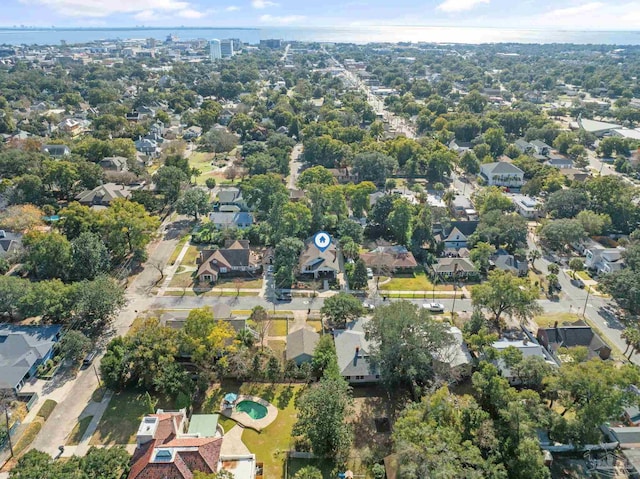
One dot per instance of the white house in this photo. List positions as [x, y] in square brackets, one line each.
[603, 260]
[501, 173]
[526, 206]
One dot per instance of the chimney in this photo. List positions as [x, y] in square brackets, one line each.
[555, 325]
[357, 351]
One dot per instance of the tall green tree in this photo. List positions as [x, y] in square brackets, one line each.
[341, 308]
[193, 202]
[323, 410]
[504, 293]
[403, 338]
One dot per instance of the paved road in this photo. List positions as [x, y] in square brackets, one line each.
[75, 396]
[294, 166]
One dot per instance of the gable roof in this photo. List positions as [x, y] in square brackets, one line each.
[328, 258]
[104, 194]
[501, 168]
[227, 218]
[449, 265]
[577, 334]
[237, 254]
[302, 341]
[390, 256]
[352, 349]
[20, 348]
[455, 354]
[467, 228]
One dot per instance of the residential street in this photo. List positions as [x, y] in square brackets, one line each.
[74, 395]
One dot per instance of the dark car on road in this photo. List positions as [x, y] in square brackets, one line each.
[578, 283]
[285, 297]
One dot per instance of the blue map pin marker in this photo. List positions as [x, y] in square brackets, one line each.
[322, 241]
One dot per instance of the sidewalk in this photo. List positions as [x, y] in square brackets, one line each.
[171, 271]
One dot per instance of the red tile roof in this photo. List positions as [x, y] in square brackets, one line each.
[204, 459]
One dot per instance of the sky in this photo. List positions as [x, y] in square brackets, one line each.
[536, 14]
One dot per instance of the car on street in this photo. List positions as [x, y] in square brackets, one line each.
[282, 296]
[434, 307]
[578, 283]
[270, 269]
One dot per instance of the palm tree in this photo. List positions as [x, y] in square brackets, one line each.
[631, 337]
[448, 198]
[534, 255]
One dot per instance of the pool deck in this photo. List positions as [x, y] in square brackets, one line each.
[244, 419]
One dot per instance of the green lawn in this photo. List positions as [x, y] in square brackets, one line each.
[47, 408]
[549, 319]
[244, 284]
[176, 251]
[417, 282]
[120, 421]
[191, 256]
[78, 431]
[270, 445]
[294, 465]
[583, 275]
[278, 327]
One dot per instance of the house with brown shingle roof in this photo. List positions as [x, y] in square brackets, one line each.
[392, 258]
[235, 259]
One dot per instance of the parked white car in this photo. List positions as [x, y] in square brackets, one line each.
[369, 273]
[434, 307]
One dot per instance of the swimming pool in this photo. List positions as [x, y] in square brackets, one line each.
[252, 408]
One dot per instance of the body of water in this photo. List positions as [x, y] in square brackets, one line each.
[359, 35]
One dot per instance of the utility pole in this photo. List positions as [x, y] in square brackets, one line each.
[5, 405]
[453, 307]
[97, 376]
[584, 310]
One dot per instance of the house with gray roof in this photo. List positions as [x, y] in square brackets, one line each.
[528, 347]
[456, 235]
[352, 349]
[598, 128]
[229, 219]
[507, 262]
[114, 163]
[568, 336]
[458, 268]
[10, 243]
[501, 173]
[320, 264]
[103, 195]
[22, 350]
[453, 359]
[301, 344]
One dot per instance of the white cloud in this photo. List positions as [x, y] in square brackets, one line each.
[260, 4]
[232, 8]
[577, 10]
[102, 8]
[145, 16]
[590, 16]
[190, 13]
[451, 6]
[284, 20]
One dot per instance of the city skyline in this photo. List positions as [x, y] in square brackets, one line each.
[570, 15]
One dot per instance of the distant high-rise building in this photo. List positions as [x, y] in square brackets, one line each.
[271, 43]
[216, 52]
[226, 48]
